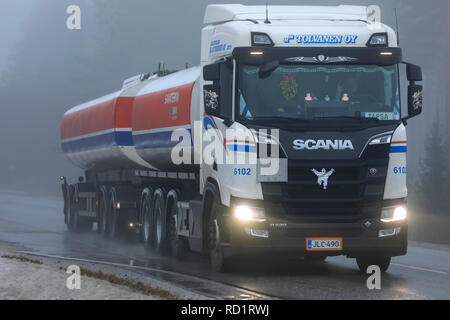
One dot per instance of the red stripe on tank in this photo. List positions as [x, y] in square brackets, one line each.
[115, 113]
[160, 109]
[89, 120]
[124, 111]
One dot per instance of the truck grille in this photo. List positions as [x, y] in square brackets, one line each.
[354, 190]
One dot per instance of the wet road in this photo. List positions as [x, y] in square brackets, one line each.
[424, 273]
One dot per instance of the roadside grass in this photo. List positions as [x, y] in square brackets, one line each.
[22, 259]
[136, 285]
[111, 278]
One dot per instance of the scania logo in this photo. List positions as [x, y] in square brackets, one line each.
[323, 144]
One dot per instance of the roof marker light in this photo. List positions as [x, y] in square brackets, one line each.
[378, 40]
[261, 39]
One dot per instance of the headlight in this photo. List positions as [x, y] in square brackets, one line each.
[393, 214]
[247, 213]
[381, 140]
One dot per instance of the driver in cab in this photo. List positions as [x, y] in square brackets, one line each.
[347, 90]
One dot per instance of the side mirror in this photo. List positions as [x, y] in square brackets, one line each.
[413, 72]
[211, 99]
[211, 72]
[415, 91]
[414, 100]
[266, 69]
[211, 93]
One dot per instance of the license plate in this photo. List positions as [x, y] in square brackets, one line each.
[318, 244]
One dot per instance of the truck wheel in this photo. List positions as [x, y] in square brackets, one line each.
[314, 258]
[102, 218]
[113, 225]
[147, 223]
[73, 216]
[219, 263]
[160, 231]
[77, 223]
[84, 224]
[178, 245]
[380, 261]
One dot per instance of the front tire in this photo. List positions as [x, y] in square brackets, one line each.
[316, 258]
[218, 261]
[178, 244]
[380, 261]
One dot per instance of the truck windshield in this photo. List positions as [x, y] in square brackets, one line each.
[317, 92]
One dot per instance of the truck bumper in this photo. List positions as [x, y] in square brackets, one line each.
[291, 238]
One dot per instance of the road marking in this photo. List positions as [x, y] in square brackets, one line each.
[243, 293]
[419, 268]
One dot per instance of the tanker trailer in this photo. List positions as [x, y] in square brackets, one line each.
[319, 87]
[120, 140]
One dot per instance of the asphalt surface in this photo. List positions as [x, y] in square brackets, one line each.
[37, 223]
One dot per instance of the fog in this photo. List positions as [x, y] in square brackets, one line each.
[46, 68]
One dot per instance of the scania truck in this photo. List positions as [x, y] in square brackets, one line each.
[320, 169]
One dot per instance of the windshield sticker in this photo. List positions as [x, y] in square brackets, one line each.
[378, 115]
[289, 86]
[397, 106]
[211, 99]
[321, 38]
[245, 112]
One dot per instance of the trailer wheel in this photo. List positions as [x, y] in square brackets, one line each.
[113, 224]
[219, 263]
[77, 223]
[380, 261]
[160, 226]
[102, 217]
[147, 223]
[178, 245]
[73, 215]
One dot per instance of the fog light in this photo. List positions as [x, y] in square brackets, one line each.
[393, 214]
[247, 213]
[389, 232]
[257, 232]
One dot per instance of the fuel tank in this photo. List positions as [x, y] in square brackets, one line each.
[132, 128]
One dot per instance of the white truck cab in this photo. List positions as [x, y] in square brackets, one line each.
[322, 85]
